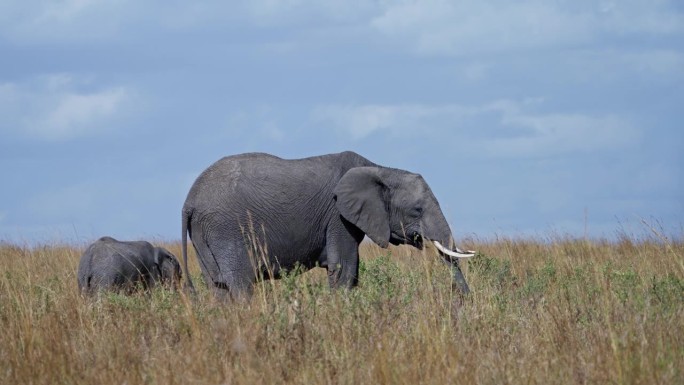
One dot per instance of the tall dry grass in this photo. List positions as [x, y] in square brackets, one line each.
[541, 311]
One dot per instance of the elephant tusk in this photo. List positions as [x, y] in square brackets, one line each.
[454, 254]
[466, 252]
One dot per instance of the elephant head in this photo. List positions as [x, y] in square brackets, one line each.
[398, 207]
[169, 268]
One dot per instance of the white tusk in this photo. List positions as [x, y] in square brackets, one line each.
[465, 252]
[454, 254]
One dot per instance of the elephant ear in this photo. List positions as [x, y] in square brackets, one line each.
[166, 263]
[361, 200]
[159, 255]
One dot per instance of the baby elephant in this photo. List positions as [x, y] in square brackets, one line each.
[109, 264]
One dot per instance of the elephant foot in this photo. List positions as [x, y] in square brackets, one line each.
[226, 295]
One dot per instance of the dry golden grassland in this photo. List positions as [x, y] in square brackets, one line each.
[544, 311]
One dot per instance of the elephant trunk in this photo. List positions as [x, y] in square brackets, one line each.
[438, 232]
[436, 229]
[459, 283]
[451, 258]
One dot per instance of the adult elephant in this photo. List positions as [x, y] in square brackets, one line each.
[253, 216]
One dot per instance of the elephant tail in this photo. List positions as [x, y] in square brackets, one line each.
[84, 283]
[85, 274]
[189, 287]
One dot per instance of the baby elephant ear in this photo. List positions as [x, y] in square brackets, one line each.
[160, 254]
[169, 268]
[361, 199]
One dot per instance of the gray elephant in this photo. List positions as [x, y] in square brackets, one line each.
[108, 264]
[253, 216]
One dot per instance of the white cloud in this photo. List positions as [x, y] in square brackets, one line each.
[608, 65]
[476, 72]
[279, 12]
[563, 133]
[516, 131]
[271, 131]
[440, 27]
[260, 124]
[364, 120]
[89, 20]
[74, 112]
[56, 108]
[358, 121]
[64, 21]
[64, 11]
[658, 62]
[467, 27]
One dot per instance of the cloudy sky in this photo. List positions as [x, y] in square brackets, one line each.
[533, 118]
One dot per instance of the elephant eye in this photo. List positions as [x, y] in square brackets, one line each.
[418, 210]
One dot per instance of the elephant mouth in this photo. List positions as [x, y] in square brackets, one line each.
[414, 239]
[417, 240]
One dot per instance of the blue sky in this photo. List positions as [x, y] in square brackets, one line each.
[527, 118]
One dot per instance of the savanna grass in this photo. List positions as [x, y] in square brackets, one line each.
[541, 311]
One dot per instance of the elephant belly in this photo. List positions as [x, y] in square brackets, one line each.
[262, 232]
[285, 257]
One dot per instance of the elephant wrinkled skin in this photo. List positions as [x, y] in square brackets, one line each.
[253, 216]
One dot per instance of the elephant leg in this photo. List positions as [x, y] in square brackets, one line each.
[209, 258]
[152, 276]
[230, 269]
[205, 257]
[239, 286]
[342, 250]
[108, 281]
